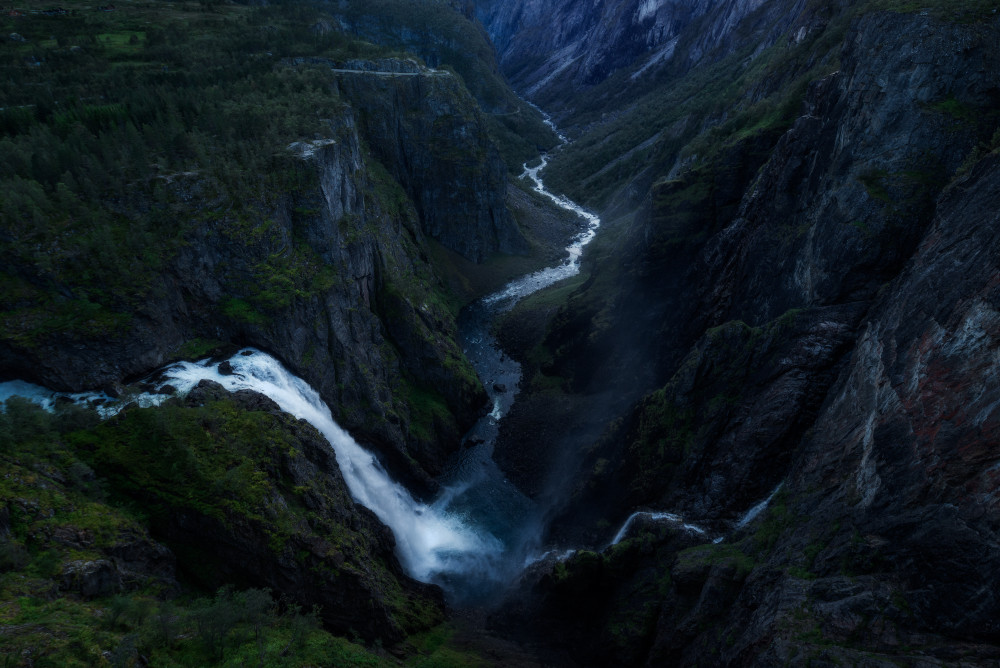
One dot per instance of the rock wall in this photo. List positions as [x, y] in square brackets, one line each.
[551, 50]
[307, 280]
[833, 327]
[429, 133]
[751, 320]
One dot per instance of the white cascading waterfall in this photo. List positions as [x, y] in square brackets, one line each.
[430, 541]
[655, 517]
[755, 511]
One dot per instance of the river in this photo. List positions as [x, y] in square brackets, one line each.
[480, 530]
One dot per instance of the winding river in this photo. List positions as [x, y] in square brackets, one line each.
[480, 531]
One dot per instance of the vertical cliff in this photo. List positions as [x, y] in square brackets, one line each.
[287, 202]
[431, 136]
[782, 295]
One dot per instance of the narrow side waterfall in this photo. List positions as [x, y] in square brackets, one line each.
[656, 517]
[752, 514]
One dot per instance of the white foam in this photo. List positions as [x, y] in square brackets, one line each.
[430, 541]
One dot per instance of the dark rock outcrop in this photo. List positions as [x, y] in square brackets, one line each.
[835, 330]
[308, 281]
[90, 579]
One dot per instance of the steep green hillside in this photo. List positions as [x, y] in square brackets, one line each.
[179, 173]
[214, 531]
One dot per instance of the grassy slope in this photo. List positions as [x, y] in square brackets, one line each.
[212, 460]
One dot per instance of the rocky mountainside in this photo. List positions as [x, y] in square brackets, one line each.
[777, 312]
[180, 179]
[783, 340]
[310, 244]
[553, 51]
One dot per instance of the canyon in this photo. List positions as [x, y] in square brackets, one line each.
[752, 423]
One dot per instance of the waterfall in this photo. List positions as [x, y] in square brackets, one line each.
[747, 517]
[656, 517]
[750, 515]
[481, 530]
[430, 541]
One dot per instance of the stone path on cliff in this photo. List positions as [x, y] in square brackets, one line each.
[384, 73]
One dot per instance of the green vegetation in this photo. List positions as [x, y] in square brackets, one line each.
[83, 583]
[711, 554]
[124, 131]
[135, 138]
[441, 36]
[428, 410]
[776, 520]
[435, 649]
[110, 128]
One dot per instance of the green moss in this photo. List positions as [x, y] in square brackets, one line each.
[777, 519]
[217, 460]
[241, 311]
[721, 553]
[874, 183]
[206, 459]
[428, 410]
[436, 649]
[953, 107]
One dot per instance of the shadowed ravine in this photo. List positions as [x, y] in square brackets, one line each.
[480, 531]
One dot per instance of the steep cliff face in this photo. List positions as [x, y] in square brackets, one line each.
[445, 33]
[551, 51]
[429, 133]
[767, 253]
[331, 280]
[902, 450]
[880, 547]
[557, 45]
[790, 282]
